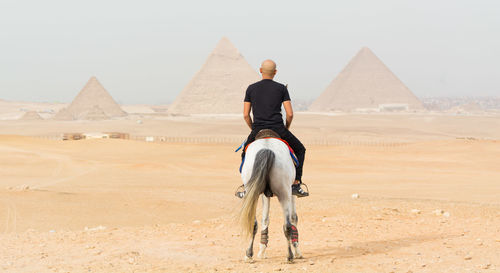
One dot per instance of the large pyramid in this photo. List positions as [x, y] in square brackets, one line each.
[219, 86]
[365, 83]
[91, 100]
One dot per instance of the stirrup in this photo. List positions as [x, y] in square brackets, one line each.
[240, 192]
[300, 191]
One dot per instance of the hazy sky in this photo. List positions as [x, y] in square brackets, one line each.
[147, 51]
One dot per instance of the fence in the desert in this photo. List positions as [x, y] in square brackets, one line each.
[196, 139]
[237, 140]
[49, 137]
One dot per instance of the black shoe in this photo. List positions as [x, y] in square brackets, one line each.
[298, 191]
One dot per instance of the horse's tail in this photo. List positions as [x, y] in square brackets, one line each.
[263, 163]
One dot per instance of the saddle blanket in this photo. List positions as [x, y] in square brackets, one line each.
[244, 146]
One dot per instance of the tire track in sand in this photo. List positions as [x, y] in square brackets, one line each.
[62, 161]
[11, 217]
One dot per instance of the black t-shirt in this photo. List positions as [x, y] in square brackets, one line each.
[266, 97]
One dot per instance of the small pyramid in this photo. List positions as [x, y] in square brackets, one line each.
[63, 114]
[95, 113]
[219, 86]
[365, 83]
[93, 94]
[470, 107]
[31, 115]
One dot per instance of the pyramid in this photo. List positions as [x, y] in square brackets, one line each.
[95, 113]
[365, 83]
[219, 86]
[470, 107]
[31, 115]
[64, 114]
[91, 96]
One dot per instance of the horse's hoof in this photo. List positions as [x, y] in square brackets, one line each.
[289, 260]
[262, 256]
[249, 260]
[299, 256]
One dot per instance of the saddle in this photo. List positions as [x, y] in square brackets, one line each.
[267, 133]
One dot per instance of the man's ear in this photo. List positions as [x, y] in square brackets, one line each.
[260, 69]
[275, 71]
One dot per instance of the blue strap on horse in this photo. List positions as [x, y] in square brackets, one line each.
[242, 161]
[295, 160]
[241, 146]
[243, 158]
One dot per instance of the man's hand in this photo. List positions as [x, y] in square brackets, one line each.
[246, 114]
[289, 113]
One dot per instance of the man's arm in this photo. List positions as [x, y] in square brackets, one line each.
[289, 113]
[246, 113]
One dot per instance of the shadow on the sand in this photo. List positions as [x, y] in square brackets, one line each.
[361, 248]
[371, 247]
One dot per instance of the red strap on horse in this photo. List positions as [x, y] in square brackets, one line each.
[284, 141]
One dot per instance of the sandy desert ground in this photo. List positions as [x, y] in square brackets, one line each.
[429, 188]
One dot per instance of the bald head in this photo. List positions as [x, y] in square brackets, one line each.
[268, 69]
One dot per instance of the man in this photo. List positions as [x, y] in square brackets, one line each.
[265, 98]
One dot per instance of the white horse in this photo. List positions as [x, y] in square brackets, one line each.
[268, 164]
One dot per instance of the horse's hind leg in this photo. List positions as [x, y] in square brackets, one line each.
[264, 234]
[249, 252]
[295, 219]
[288, 228]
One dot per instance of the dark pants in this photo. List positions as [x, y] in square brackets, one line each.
[295, 144]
